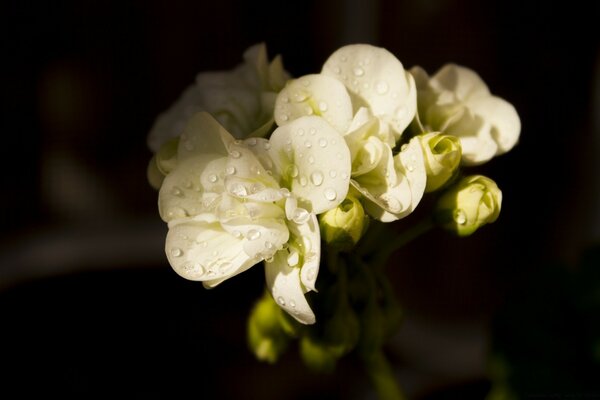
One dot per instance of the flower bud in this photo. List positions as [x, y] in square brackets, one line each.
[442, 157]
[317, 355]
[266, 337]
[343, 226]
[472, 202]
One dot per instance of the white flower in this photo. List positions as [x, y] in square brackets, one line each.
[240, 99]
[231, 204]
[457, 102]
[367, 96]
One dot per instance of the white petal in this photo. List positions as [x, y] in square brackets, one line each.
[318, 95]
[311, 250]
[410, 163]
[375, 78]
[200, 249]
[503, 119]
[463, 82]
[203, 135]
[182, 193]
[246, 177]
[475, 136]
[286, 288]
[314, 165]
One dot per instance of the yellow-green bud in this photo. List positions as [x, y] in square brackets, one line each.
[442, 157]
[472, 202]
[266, 337]
[343, 226]
[317, 355]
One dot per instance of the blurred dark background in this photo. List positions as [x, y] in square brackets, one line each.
[89, 305]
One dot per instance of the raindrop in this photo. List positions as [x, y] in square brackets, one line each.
[306, 83]
[303, 181]
[213, 178]
[323, 142]
[235, 154]
[285, 192]
[284, 117]
[225, 266]
[323, 106]
[311, 159]
[253, 234]
[300, 132]
[238, 190]
[252, 141]
[269, 245]
[312, 131]
[337, 70]
[292, 171]
[236, 234]
[176, 252]
[311, 274]
[299, 97]
[460, 217]
[188, 185]
[308, 144]
[230, 170]
[333, 173]
[281, 301]
[330, 194]
[308, 110]
[176, 192]
[410, 167]
[300, 215]
[382, 87]
[316, 178]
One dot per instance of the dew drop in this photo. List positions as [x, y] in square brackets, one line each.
[308, 144]
[252, 141]
[300, 215]
[358, 71]
[311, 274]
[382, 87]
[213, 178]
[176, 252]
[333, 173]
[285, 99]
[323, 106]
[311, 159]
[316, 178]
[303, 181]
[267, 145]
[253, 234]
[230, 170]
[235, 154]
[285, 192]
[460, 217]
[176, 191]
[410, 167]
[300, 132]
[284, 117]
[224, 267]
[330, 194]
[292, 304]
[269, 245]
[312, 131]
[239, 190]
[308, 110]
[281, 301]
[299, 97]
[323, 142]
[292, 171]
[236, 234]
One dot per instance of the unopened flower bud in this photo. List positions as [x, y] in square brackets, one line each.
[317, 355]
[343, 226]
[471, 203]
[442, 157]
[266, 337]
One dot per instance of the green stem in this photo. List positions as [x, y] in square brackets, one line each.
[383, 379]
[382, 255]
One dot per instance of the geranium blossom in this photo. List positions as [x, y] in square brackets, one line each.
[231, 204]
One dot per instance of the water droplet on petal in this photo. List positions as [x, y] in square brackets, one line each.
[299, 97]
[269, 245]
[285, 192]
[292, 171]
[252, 141]
[253, 234]
[312, 131]
[284, 117]
[225, 266]
[281, 301]
[236, 234]
[308, 110]
[333, 173]
[176, 191]
[382, 87]
[311, 274]
[285, 99]
[300, 132]
[316, 178]
[292, 304]
[308, 144]
[323, 106]
[239, 190]
[267, 145]
[358, 71]
[410, 167]
[300, 215]
[323, 142]
[330, 194]
[235, 154]
[213, 178]
[460, 217]
[303, 181]
[337, 70]
[176, 252]
[311, 159]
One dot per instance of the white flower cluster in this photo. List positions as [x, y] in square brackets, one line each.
[247, 159]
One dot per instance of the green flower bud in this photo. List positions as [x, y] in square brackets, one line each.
[471, 203]
[316, 355]
[442, 157]
[343, 226]
[266, 337]
[342, 330]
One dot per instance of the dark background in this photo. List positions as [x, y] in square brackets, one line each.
[88, 303]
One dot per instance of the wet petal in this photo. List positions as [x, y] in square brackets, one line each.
[313, 160]
[286, 287]
[203, 135]
[200, 249]
[376, 78]
[318, 95]
[463, 82]
[504, 121]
